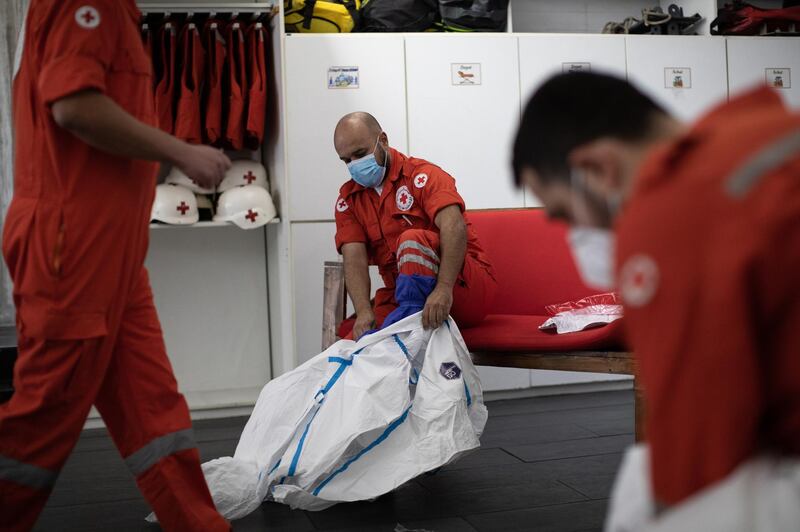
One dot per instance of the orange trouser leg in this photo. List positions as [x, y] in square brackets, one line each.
[56, 382]
[418, 253]
[149, 421]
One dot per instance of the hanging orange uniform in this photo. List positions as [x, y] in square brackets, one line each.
[237, 87]
[75, 240]
[709, 255]
[188, 122]
[257, 89]
[215, 53]
[166, 83]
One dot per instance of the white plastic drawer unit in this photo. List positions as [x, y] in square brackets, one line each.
[328, 76]
[765, 60]
[463, 111]
[687, 75]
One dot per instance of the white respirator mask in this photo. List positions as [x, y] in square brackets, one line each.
[593, 251]
[593, 248]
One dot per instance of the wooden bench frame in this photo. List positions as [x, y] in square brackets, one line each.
[616, 362]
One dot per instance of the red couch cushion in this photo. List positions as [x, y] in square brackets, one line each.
[520, 333]
[532, 261]
[534, 268]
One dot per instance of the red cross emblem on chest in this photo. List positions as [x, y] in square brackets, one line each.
[183, 208]
[249, 177]
[251, 215]
[403, 198]
[87, 17]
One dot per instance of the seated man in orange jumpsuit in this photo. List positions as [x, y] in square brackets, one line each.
[406, 216]
[707, 225]
[75, 240]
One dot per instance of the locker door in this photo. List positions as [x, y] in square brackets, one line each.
[543, 56]
[685, 74]
[463, 110]
[759, 60]
[328, 76]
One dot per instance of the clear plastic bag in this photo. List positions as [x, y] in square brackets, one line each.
[587, 313]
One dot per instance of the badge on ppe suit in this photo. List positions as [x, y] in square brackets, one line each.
[342, 205]
[421, 180]
[404, 198]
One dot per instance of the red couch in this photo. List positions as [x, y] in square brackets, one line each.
[534, 268]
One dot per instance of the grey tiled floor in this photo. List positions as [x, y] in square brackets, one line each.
[546, 464]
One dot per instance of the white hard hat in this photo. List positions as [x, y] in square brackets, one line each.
[248, 207]
[244, 172]
[174, 205]
[176, 177]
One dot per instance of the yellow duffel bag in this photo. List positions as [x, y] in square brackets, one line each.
[315, 16]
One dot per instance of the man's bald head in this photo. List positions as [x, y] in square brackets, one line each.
[356, 135]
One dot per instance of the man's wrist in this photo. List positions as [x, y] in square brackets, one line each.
[444, 285]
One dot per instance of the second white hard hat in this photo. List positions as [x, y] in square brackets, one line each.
[243, 173]
[177, 177]
[248, 207]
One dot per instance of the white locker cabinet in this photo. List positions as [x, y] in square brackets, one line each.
[366, 73]
[773, 61]
[687, 75]
[463, 111]
[313, 246]
[543, 56]
[210, 289]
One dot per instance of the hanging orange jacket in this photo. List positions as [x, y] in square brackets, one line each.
[237, 87]
[215, 72]
[188, 122]
[165, 86]
[257, 93]
[147, 39]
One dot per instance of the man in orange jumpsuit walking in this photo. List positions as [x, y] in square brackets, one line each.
[707, 224]
[75, 240]
[406, 216]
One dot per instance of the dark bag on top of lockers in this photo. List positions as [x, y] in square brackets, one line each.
[397, 15]
[474, 15]
[319, 16]
[741, 18]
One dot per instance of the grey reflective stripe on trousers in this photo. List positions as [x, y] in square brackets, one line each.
[159, 448]
[419, 260]
[766, 160]
[26, 474]
[425, 250]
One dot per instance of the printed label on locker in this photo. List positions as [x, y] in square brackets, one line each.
[466, 73]
[780, 78]
[575, 67]
[343, 77]
[677, 78]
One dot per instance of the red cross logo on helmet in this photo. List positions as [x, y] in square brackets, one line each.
[251, 215]
[249, 177]
[183, 208]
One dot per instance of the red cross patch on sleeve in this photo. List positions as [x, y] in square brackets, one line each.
[87, 17]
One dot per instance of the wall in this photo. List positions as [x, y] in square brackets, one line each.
[573, 16]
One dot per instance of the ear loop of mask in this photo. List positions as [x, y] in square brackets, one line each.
[612, 203]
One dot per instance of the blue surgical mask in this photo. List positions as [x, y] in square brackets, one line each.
[366, 171]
